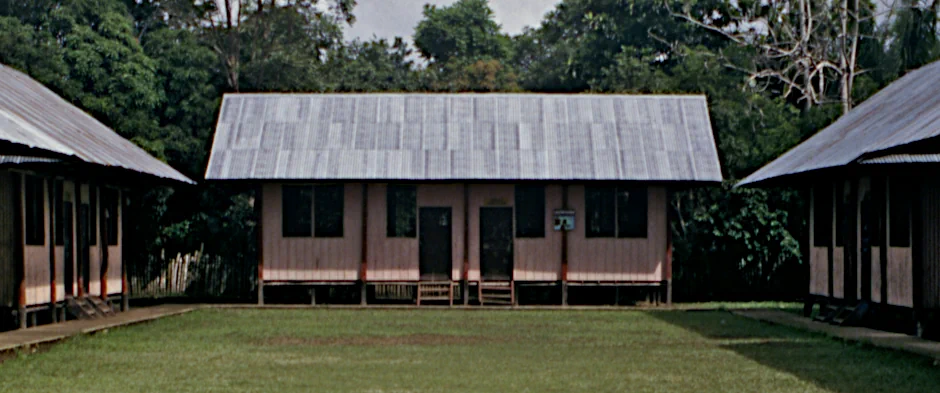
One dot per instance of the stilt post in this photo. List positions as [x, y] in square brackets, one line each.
[259, 232]
[564, 250]
[363, 270]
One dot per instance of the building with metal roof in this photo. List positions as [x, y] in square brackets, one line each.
[464, 137]
[64, 184]
[36, 121]
[425, 196]
[897, 118]
[875, 205]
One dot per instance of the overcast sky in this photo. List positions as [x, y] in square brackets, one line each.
[390, 18]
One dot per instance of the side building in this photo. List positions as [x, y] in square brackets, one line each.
[875, 205]
[65, 182]
[460, 196]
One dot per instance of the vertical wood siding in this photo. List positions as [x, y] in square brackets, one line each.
[819, 271]
[37, 257]
[900, 284]
[114, 252]
[539, 259]
[613, 259]
[396, 259]
[482, 195]
[930, 255]
[7, 268]
[838, 272]
[448, 195]
[312, 258]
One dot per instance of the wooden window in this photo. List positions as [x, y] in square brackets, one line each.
[109, 200]
[600, 211]
[822, 216]
[616, 212]
[328, 210]
[93, 215]
[296, 211]
[900, 200]
[842, 219]
[35, 214]
[632, 210]
[401, 211]
[57, 193]
[530, 211]
[876, 211]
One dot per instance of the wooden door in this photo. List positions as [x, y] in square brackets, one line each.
[496, 243]
[68, 243]
[434, 243]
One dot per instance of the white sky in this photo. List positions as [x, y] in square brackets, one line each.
[391, 18]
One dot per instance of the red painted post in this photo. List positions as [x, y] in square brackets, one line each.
[259, 232]
[53, 192]
[364, 267]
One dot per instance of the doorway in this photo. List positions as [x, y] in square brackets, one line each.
[68, 243]
[434, 243]
[84, 257]
[496, 243]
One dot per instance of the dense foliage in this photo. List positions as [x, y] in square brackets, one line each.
[155, 70]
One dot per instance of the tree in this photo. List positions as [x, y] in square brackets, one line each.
[915, 31]
[804, 45]
[371, 66]
[263, 45]
[465, 30]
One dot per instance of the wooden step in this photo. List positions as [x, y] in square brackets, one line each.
[80, 308]
[496, 293]
[101, 306]
[436, 291]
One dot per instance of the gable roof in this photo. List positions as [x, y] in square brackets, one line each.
[463, 137]
[34, 117]
[904, 112]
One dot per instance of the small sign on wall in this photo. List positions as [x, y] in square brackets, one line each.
[564, 220]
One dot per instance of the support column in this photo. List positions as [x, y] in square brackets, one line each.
[259, 232]
[667, 269]
[363, 269]
[104, 215]
[885, 238]
[53, 192]
[466, 244]
[125, 291]
[19, 260]
[564, 250]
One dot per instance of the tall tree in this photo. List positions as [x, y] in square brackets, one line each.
[263, 44]
[465, 47]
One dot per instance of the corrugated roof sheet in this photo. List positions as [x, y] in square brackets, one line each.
[464, 137]
[32, 115]
[904, 112]
[902, 159]
[25, 160]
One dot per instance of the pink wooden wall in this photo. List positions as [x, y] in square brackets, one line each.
[311, 258]
[615, 259]
[396, 259]
[38, 272]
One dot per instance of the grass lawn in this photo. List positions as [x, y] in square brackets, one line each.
[463, 351]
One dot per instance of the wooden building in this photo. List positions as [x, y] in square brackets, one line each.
[448, 192]
[875, 204]
[64, 184]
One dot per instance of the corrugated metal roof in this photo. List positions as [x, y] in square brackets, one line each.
[32, 115]
[464, 137]
[902, 159]
[25, 160]
[904, 112]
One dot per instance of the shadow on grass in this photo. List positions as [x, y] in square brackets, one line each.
[831, 364]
